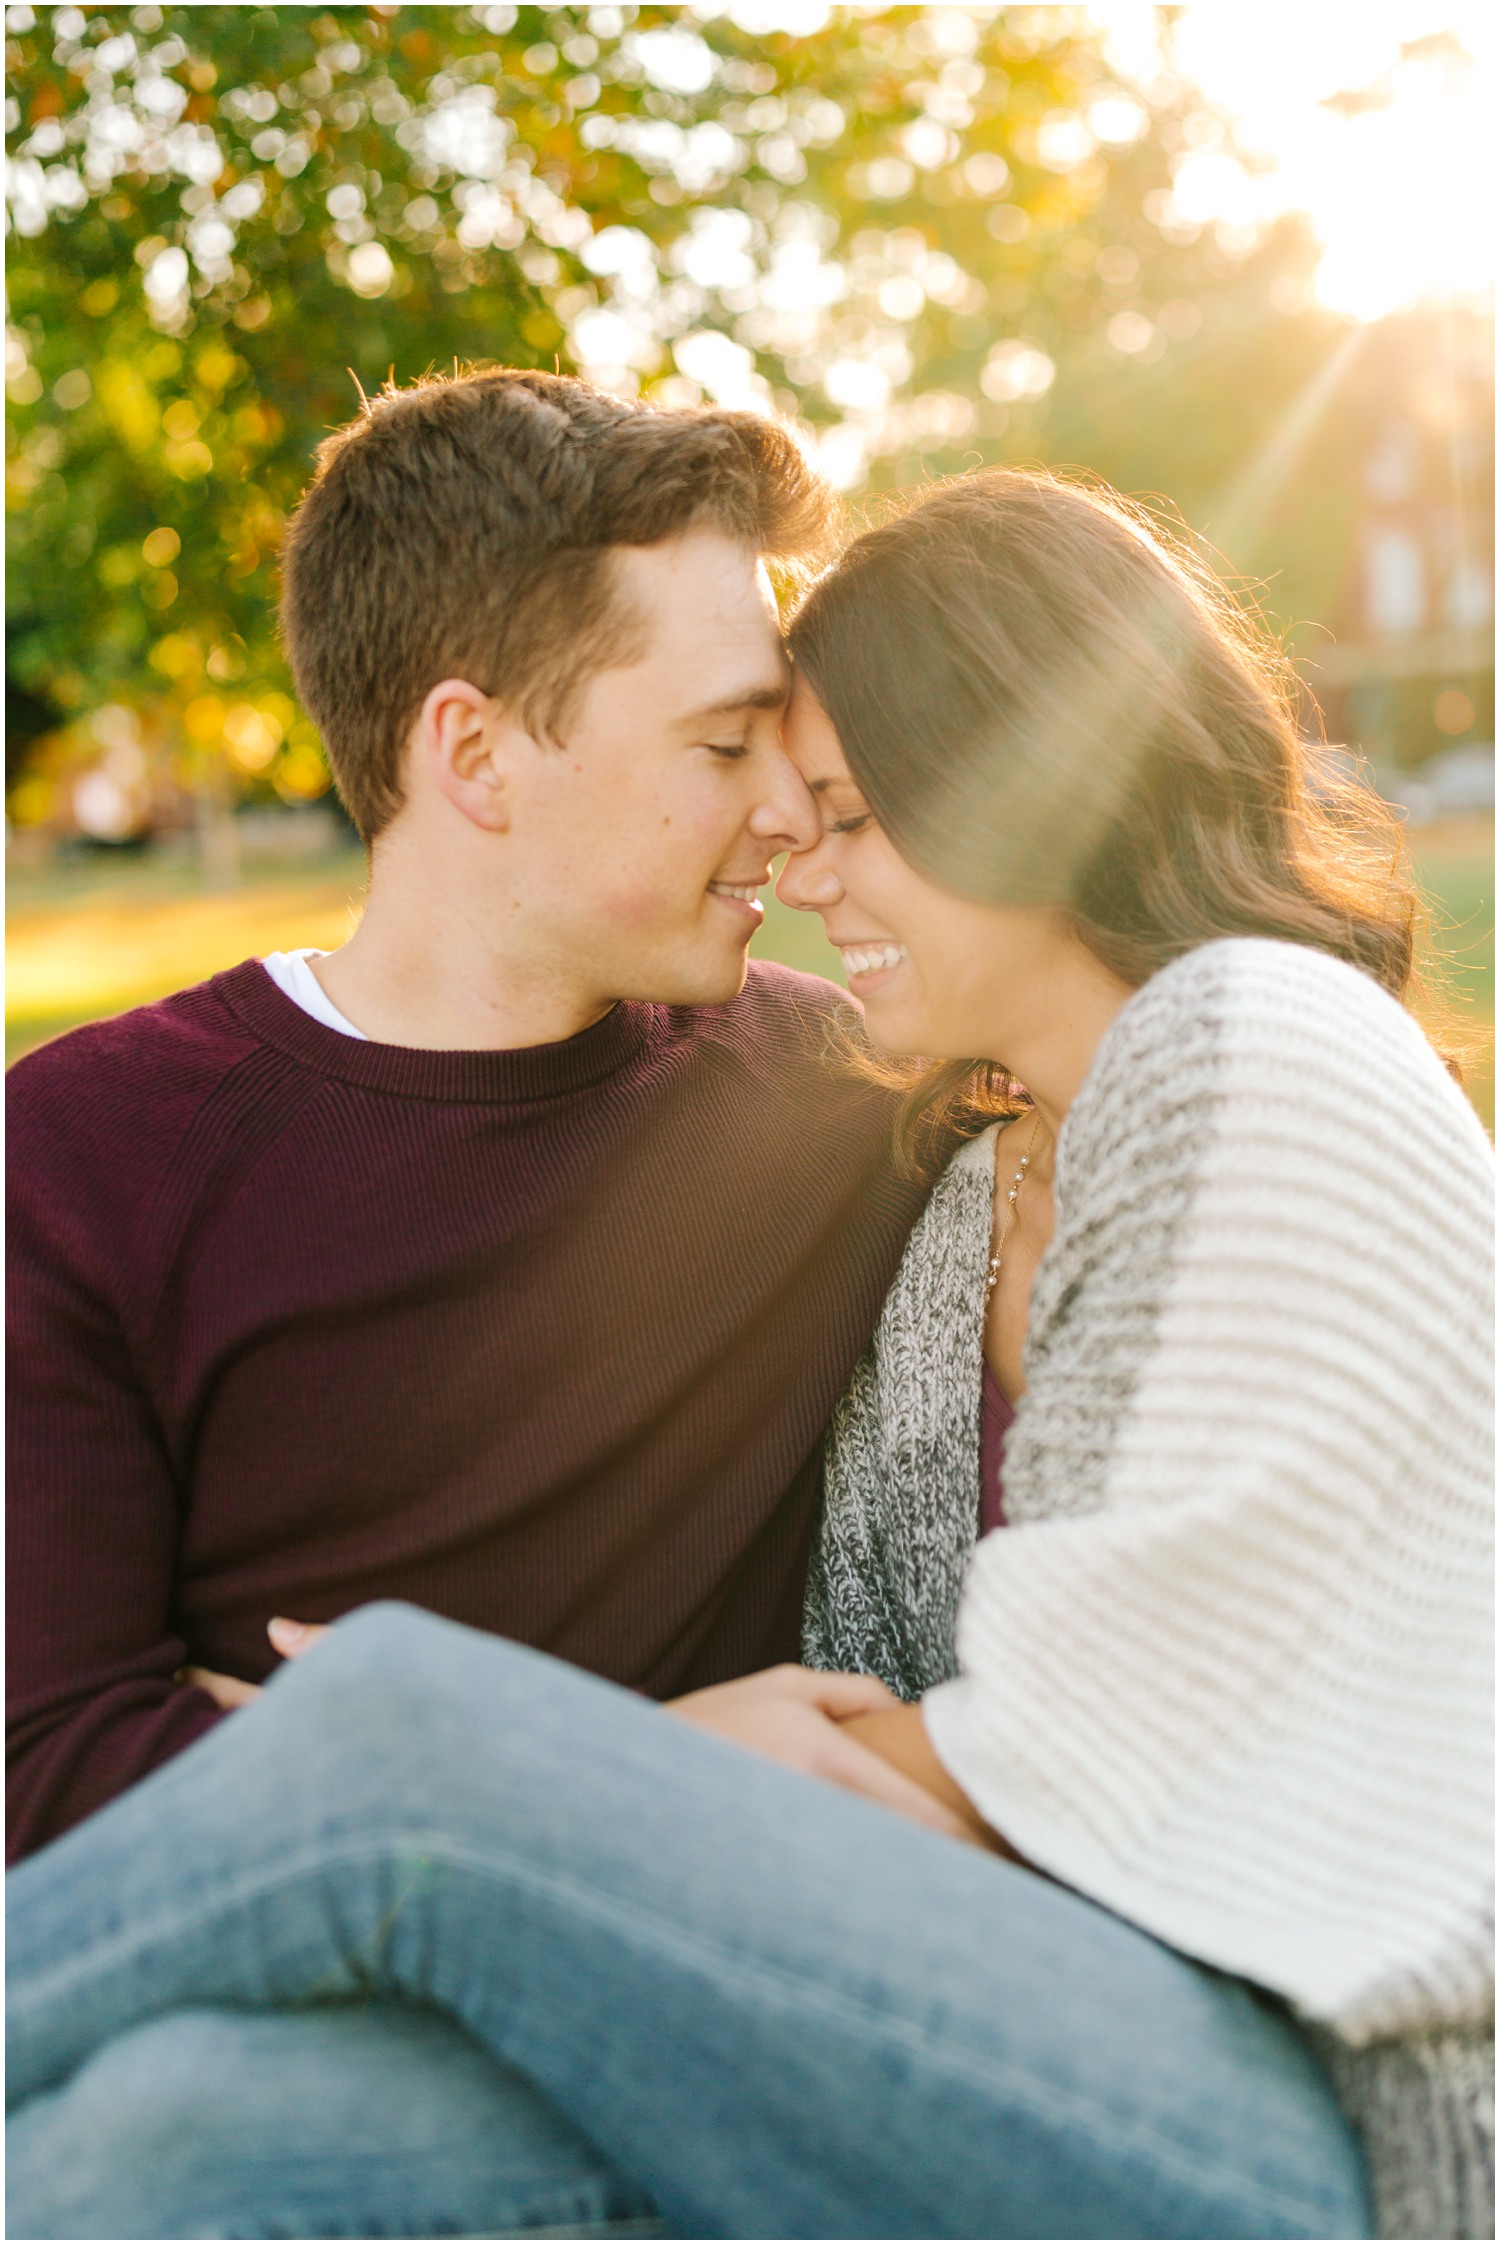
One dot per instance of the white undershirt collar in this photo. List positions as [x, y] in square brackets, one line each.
[294, 978]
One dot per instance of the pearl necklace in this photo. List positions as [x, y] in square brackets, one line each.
[993, 1273]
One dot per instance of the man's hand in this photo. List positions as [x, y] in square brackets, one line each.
[289, 1638]
[796, 1716]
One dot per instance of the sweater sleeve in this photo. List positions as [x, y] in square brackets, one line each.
[1229, 1673]
[92, 1504]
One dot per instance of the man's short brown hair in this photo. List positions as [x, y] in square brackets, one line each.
[461, 528]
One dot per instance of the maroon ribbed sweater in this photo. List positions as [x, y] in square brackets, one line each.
[541, 1340]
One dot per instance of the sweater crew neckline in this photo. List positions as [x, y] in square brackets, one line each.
[529, 1072]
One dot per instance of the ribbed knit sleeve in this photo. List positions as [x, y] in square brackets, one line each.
[93, 1507]
[1229, 1672]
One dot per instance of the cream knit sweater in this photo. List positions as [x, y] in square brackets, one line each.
[1227, 1671]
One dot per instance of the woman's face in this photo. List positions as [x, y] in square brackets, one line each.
[937, 974]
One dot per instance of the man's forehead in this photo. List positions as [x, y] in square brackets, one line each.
[708, 605]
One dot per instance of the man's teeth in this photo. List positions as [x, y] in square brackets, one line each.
[871, 959]
[746, 893]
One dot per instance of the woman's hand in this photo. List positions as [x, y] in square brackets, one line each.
[797, 1716]
[289, 1638]
[899, 1735]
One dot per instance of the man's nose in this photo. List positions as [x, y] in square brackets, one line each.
[808, 882]
[786, 816]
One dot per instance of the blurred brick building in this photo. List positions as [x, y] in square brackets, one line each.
[1410, 675]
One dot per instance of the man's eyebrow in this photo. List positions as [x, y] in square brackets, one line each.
[753, 697]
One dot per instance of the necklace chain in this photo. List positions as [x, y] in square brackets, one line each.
[992, 1275]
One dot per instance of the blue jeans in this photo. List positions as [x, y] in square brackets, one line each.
[759, 2005]
[368, 2119]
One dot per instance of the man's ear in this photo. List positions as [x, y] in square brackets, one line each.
[460, 737]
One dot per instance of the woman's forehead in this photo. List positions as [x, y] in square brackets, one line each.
[811, 741]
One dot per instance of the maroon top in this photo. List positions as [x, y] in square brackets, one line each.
[542, 1340]
[997, 1417]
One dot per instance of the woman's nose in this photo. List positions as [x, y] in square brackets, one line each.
[807, 885]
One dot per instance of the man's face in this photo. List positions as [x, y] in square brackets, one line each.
[668, 791]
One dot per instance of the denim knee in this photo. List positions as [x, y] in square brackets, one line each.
[382, 1656]
[400, 1722]
[386, 1636]
[390, 1692]
[391, 1647]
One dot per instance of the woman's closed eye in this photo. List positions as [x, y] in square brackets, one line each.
[731, 751]
[852, 824]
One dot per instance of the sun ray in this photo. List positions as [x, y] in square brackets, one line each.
[1236, 523]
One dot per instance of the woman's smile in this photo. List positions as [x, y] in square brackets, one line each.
[871, 962]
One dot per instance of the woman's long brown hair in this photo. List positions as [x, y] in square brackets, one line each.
[1044, 700]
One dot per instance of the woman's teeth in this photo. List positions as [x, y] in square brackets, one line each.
[746, 895]
[872, 959]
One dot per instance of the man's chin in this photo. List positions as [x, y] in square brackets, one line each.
[714, 988]
[695, 981]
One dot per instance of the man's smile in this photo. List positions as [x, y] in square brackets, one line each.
[742, 896]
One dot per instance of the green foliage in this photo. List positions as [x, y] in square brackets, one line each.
[933, 236]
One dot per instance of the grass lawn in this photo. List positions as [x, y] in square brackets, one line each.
[90, 938]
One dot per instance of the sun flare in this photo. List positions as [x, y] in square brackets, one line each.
[1375, 117]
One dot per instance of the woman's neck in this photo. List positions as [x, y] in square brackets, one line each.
[1049, 1045]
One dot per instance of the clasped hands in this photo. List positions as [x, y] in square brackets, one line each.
[848, 1730]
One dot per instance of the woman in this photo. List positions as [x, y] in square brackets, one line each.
[1257, 1399]
[1220, 1665]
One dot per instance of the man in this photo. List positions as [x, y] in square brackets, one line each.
[510, 1260]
